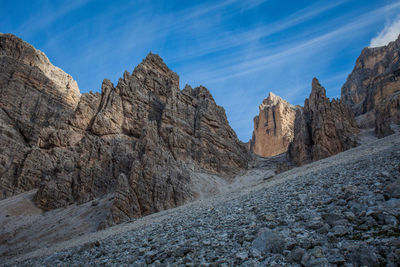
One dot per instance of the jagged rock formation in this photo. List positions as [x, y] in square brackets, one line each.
[322, 128]
[373, 87]
[139, 140]
[273, 127]
[34, 94]
[388, 112]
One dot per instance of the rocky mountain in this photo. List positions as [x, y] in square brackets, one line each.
[372, 89]
[34, 95]
[339, 211]
[322, 128]
[138, 143]
[273, 127]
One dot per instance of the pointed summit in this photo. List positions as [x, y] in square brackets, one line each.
[273, 100]
[153, 68]
[317, 88]
[324, 128]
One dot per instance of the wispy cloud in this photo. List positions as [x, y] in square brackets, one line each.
[41, 21]
[388, 34]
[264, 57]
[239, 49]
[227, 40]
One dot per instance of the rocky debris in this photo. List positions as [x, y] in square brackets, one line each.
[139, 141]
[273, 127]
[322, 128]
[374, 85]
[25, 227]
[330, 213]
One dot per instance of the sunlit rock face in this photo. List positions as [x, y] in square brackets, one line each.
[322, 128]
[137, 143]
[273, 127]
[34, 95]
[373, 88]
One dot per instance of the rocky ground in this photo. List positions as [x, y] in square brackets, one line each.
[343, 210]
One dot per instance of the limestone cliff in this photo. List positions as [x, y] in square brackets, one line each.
[322, 128]
[34, 94]
[273, 127]
[373, 87]
[139, 141]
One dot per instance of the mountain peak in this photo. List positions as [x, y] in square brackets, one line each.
[154, 66]
[22, 53]
[272, 100]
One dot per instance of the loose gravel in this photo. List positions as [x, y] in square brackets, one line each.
[340, 211]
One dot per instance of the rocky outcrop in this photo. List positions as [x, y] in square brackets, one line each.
[386, 113]
[139, 141]
[273, 127]
[322, 128]
[34, 94]
[373, 86]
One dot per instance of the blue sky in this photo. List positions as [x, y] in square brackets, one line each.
[239, 50]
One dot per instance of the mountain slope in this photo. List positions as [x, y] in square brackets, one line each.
[143, 141]
[373, 87]
[342, 209]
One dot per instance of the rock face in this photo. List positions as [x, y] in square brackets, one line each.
[373, 87]
[273, 127]
[34, 94]
[388, 112]
[138, 141]
[322, 128]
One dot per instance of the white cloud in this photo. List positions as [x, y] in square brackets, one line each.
[388, 34]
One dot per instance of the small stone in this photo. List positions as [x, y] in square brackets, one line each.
[255, 253]
[269, 241]
[324, 229]
[361, 255]
[314, 225]
[296, 255]
[349, 216]
[340, 230]
[242, 256]
[393, 190]
[385, 174]
[317, 252]
[268, 177]
[335, 257]
[206, 242]
[331, 237]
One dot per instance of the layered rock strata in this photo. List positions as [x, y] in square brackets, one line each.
[34, 94]
[373, 87]
[273, 127]
[322, 128]
[139, 140]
